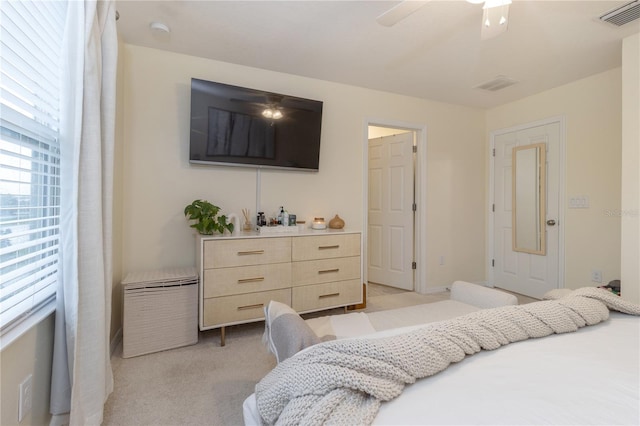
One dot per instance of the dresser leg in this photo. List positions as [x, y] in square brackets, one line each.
[222, 336]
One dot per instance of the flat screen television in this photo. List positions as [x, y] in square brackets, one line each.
[229, 126]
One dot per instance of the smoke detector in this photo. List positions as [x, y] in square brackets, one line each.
[159, 27]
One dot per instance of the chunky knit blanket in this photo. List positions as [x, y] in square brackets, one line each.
[344, 381]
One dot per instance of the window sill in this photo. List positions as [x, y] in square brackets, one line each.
[16, 332]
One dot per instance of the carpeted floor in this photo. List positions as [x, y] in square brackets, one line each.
[205, 384]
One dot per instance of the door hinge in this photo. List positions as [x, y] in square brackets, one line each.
[414, 206]
[494, 152]
[414, 265]
[493, 207]
[415, 148]
[493, 263]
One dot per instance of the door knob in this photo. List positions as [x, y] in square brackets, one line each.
[551, 222]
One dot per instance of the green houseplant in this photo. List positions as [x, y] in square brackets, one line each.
[207, 221]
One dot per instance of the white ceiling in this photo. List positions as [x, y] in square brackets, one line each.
[435, 53]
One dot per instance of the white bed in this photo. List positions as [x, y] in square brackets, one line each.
[590, 376]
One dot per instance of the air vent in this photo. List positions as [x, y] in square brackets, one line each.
[498, 83]
[623, 14]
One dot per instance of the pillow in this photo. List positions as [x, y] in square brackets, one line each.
[285, 332]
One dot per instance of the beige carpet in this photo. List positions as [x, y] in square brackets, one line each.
[205, 384]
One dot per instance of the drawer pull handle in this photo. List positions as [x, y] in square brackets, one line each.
[324, 296]
[244, 253]
[329, 247]
[250, 280]
[244, 308]
[327, 271]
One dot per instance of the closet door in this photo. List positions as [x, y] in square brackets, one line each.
[521, 272]
[391, 216]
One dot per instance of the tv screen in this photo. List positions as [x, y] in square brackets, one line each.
[237, 126]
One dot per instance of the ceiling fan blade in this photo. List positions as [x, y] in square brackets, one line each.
[495, 21]
[400, 11]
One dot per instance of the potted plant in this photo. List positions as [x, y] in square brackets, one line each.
[207, 221]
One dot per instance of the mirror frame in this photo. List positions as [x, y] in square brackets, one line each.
[541, 149]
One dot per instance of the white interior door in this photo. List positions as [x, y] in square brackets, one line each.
[525, 273]
[390, 210]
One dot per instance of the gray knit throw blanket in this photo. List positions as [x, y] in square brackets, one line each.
[344, 381]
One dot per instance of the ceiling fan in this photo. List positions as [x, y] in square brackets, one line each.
[495, 16]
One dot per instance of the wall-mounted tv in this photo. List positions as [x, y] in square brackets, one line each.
[229, 126]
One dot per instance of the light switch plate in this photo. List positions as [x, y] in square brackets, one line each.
[579, 202]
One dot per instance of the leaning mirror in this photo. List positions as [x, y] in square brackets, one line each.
[529, 195]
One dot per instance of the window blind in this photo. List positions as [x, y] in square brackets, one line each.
[30, 51]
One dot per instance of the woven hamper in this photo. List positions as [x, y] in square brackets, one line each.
[160, 311]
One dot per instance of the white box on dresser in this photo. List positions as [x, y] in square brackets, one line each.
[240, 273]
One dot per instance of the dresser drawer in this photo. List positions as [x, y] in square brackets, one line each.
[321, 296]
[241, 308]
[243, 252]
[325, 246]
[246, 279]
[325, 270]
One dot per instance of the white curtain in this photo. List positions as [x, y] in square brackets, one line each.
[82, 378]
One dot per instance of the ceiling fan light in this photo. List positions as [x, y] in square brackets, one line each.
[272, 113]
[489, 4]
[499, 17]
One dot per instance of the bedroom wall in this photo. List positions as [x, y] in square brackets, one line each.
[592, 109]
[31, 353]
[159, 181]
[118, 211]
[630, 207]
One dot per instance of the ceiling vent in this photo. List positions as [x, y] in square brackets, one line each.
[498, 83]
[623, 14]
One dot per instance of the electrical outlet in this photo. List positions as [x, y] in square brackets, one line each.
[26, 396]
[441, 260]
[596, 276]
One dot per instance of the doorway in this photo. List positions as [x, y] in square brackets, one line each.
[394, 205]
[527, 272]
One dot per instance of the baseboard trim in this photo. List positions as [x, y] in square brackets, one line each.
[431, 290]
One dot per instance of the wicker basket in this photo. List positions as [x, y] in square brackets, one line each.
[160, 311]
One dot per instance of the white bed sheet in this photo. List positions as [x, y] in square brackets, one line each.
[590, 377]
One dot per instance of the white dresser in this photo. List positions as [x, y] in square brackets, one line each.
[310, 271]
